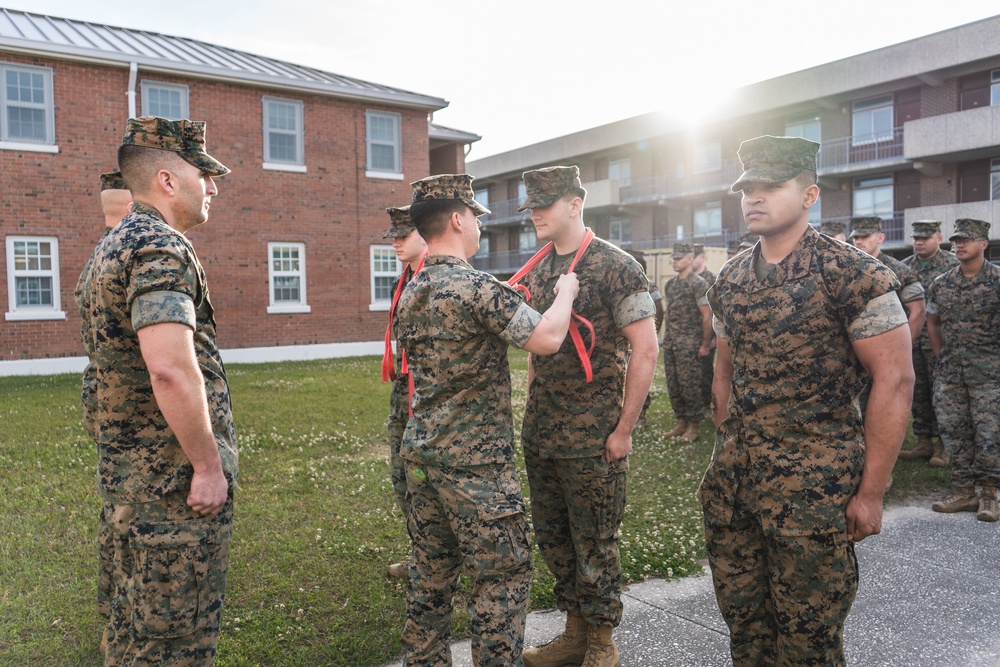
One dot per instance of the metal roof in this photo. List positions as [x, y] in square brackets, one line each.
[80, 40]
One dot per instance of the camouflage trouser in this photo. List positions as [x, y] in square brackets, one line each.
[105, 565]
[474, 516]
[169, 583]
[924, 421]
[784, 597]
[707, 374]
[684, 372]
[399, 414]
[576, 509]
[969, 422]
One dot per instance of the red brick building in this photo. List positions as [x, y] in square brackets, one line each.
[293, 250]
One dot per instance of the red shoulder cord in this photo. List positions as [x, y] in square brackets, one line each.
[388, 362]
[582, 350]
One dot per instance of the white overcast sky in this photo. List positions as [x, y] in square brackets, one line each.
[521, 71]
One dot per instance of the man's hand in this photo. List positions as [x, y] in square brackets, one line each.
[704, 350]
[568, 282]
[864, 516]
[209, 492]
[617, 446]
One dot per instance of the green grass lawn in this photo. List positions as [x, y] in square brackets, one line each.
[316, 521]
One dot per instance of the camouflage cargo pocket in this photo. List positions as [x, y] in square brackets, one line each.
[506, 537]
[172, 590]
[611, 505]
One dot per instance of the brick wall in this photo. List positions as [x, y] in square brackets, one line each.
[334, 208]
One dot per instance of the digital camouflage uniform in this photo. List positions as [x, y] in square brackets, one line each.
[924, 421]
[455, 324]
[707, 362]
[577, 497]
[790, 451]
[682, 336]
[966, 399]
[169, 564]
[910, 290]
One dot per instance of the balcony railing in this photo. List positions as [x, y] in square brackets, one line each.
[504, 212]
[664, 186]
[893, 225]
[864, 149]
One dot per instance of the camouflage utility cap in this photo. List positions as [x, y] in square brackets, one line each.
[698, 248]
[923, 229]
[184, 137]
[400, 224]
[970, 228]
[447, 186]
[770, 159]
[546, 186]
[866, 226]
[732, 246]
[113, 181]
[683, 249]
[832, 227]
[748, 240]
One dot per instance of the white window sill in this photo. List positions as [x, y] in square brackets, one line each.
[28, 147]
[387, 175]
[287, 309]
[26, 315]
[383, 306]
[280, 166]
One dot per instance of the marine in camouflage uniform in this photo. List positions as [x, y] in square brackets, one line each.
[926, 236]
[575, 433]
[115, 203]
[791, 482]
[835, 229]
[708, 361]
[964, 327]
[686, 343]
[465, 503]
[867, 234]
[410, 249]
[142, 274]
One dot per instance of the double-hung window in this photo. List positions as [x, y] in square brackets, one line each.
[26, 109]
[33, 278]
[284, 144]
[384, 270]
[166, 100]
[382, 138]
[286, 271]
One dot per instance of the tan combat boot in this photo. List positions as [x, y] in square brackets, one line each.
[940, 459]
[989, 510]
[678, 428]
[691, 433]
[601, 649]
[963, 500]
[399, 570]
[568, 648]
[923, 451]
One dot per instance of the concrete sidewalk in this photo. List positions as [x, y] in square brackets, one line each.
[928, 597]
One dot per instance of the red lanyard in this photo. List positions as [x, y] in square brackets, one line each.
[388, 362]
[582, 350]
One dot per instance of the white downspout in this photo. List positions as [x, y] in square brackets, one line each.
[133, 70]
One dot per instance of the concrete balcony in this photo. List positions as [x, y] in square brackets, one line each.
[975, 132]
[674, 186]
[860, 154]
[504, 213]
[988, 210]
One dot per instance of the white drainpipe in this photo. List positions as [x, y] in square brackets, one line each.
[133, 70]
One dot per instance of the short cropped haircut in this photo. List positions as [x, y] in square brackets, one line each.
[430, 217]
[806, 178]
[575, 192]
[139, 165]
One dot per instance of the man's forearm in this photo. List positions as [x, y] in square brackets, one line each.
[886, 419]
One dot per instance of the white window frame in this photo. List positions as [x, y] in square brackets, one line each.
[52, 311]
[709, 210]
[871, 185]
[617, 228]
[620, 171]
[376, 303]
[396, 172]
[146, 88]
[801, 126]
[869, 132]
[707, 157]
[289, 306]
[523, 234]
[995, 87]
[299, 163]
[48, 144]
